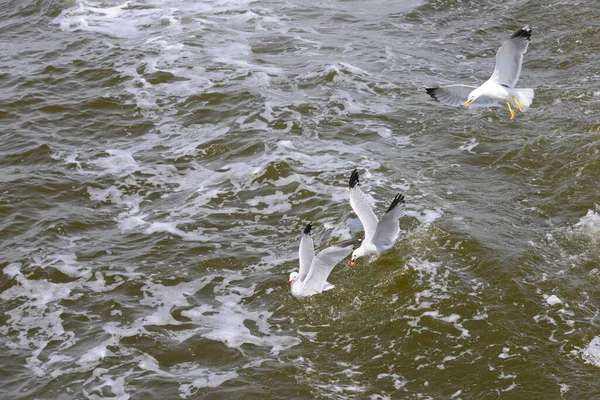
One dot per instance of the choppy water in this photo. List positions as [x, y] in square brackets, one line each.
[160, 159]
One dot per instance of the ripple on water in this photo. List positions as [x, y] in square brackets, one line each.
[163, 158]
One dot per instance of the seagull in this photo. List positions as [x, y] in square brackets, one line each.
[380, 235]
[500, 86]
[312, 276]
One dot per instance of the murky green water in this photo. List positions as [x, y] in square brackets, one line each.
[161, 158]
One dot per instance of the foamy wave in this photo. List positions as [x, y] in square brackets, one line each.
[118, 163]
[226, 322]
[37, 318]
[108, 20]
[591, 353]
[590, 224]
[203, 378]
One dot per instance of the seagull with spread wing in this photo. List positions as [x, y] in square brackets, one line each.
[500, 86]
[311, 278]
[380, 235]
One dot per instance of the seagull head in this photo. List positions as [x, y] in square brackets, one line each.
[293, 276]
[356, 254]
[472, 97]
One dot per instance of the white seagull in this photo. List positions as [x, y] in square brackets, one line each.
[500, 86]
[380, 235]
[312, 276]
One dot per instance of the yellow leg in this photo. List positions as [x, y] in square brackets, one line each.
[519, 106]
[512, 113]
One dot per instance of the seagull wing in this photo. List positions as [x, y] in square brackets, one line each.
[323, 264]
[361, 207]
[306, 253]
[509, 58]
[456, 95]
[388, 227]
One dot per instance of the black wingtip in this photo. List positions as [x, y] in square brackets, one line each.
[399, 199]
[308, 228]
[524, 32]
[432, 93]
[354, 179]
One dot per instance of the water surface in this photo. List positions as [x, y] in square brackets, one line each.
[161, 158]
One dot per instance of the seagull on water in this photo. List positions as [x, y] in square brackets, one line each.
[500, 86]
[312, 275]
[380, 235]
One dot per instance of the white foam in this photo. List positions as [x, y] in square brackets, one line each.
[119, 163]
[37, 311]
[107, 20]
[131, 219]
[111, 193]
[350, 68]
[225, 321]
[590, 224]
[115, 384]
[67, 264]
[506, 376]
[480, 316]
[228, 325]
[469, 146]
[553, 300]
[591, 353]
[504, 354]
[509, 388]
[397, 380]
[275, 204]
[165, 298]
[426, 217]
[99, 285]
[204, 378]
[94, 355]
[171, 227]
[12, 269]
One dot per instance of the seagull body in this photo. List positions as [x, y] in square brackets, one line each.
[311, 278]
[500, 86]
[380, 235]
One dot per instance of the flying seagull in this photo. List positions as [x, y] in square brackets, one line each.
[312, 276]
[500, 86]
[380, 235]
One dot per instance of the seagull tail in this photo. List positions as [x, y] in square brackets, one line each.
[525, 97]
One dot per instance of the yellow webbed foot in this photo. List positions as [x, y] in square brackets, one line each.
[512, 113]
[519, 106]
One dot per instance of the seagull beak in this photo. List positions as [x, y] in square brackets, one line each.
[289, 282]
[468, 103]
[352, 262]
